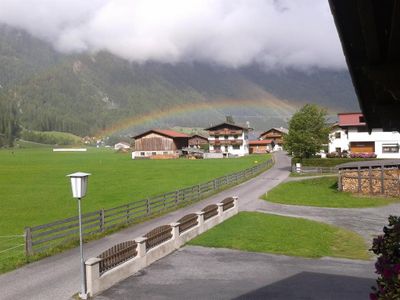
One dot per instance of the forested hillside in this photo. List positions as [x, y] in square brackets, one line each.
[44, 90]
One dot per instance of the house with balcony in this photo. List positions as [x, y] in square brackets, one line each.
[352, 135]
[276, 136]
[229, 139]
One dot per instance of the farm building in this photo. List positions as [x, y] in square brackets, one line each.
[370, 177]
[275, 135]
[197, 141]
[229, 139]
[261, 146]
[351, 134]
[160, 143]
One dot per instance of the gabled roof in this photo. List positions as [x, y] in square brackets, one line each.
[280, 129]
[228, 124]
[164, 132]
[199, 135]
[351, 119]
[260, 142]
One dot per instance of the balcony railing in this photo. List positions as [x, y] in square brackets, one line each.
[226, 142]
[225, 132]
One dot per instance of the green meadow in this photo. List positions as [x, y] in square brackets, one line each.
[34, 188]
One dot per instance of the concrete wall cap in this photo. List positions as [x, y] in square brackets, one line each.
[200, 212]
[141, 239]
[176, 224]
[220, 204]
[92, 261]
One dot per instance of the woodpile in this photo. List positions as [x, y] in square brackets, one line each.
[371, 181]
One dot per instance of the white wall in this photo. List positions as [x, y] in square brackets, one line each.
[378, 136]
[243, 149]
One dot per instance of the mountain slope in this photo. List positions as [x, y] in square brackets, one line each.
[85, 94]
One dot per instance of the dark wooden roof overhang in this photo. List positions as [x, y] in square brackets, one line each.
[370, 34]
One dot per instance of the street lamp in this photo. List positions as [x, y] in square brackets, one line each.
[79, 182]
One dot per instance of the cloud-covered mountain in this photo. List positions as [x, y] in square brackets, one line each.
[86, 93]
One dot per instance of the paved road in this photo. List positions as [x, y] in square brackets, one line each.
[207, 273]
[57, 277]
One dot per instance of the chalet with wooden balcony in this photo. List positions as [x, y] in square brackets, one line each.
[229, 139]
[197, 141]
[160, 144]
[275, 135]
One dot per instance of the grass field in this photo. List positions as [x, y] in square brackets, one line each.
[259, 232]
[34, 188]
[321, 192]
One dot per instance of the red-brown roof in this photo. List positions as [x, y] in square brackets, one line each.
[165, 132]
[351, 119]
[260, 142]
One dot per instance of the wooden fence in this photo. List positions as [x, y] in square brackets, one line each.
[44, 237]
[314, 170]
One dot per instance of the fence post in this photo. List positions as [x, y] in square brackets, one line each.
[102, 220]
[200, 219]
[148, 208]
[371, 191]
[127, 213]
[214, 184]
[359, 179]
[176, 197]
[141, 246]
[28, 241]
[198, 192]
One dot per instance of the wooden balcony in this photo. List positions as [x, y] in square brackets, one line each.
[226, 142]
[225, 132]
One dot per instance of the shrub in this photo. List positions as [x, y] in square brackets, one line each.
[363, 155]
[387, 248]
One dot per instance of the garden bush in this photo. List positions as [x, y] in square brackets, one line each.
[387, 247]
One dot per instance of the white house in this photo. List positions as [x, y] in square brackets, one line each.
[351, 134]
[229, 138]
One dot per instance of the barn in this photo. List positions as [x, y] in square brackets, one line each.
[261, 146]
[159, 144]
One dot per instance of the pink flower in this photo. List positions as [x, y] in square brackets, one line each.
[373, 296]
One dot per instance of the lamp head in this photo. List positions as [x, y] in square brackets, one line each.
[79, 182]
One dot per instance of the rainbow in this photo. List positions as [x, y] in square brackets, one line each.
[276, 106]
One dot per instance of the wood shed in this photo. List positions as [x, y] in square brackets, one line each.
[375, 177]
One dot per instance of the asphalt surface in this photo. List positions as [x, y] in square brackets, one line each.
[208, 273]
[57, 277]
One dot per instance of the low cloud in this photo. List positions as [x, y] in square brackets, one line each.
[275, 33]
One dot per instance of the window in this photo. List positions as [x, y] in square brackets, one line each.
[236, 147]
[142, 154]
[390, 148]
[226, 137]
[361, 119]
[235, 136]
[337, 135]
[165, 152]
[153, 153]
[338, 150]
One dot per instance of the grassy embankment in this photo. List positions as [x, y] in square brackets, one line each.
[321, 192]
[34, 189]
[259, 232]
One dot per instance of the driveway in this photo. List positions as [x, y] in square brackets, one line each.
[206, 273]
[57, 277]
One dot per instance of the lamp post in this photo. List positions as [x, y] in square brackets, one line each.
[79, 182]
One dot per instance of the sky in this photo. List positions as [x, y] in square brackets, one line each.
[297, 34]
